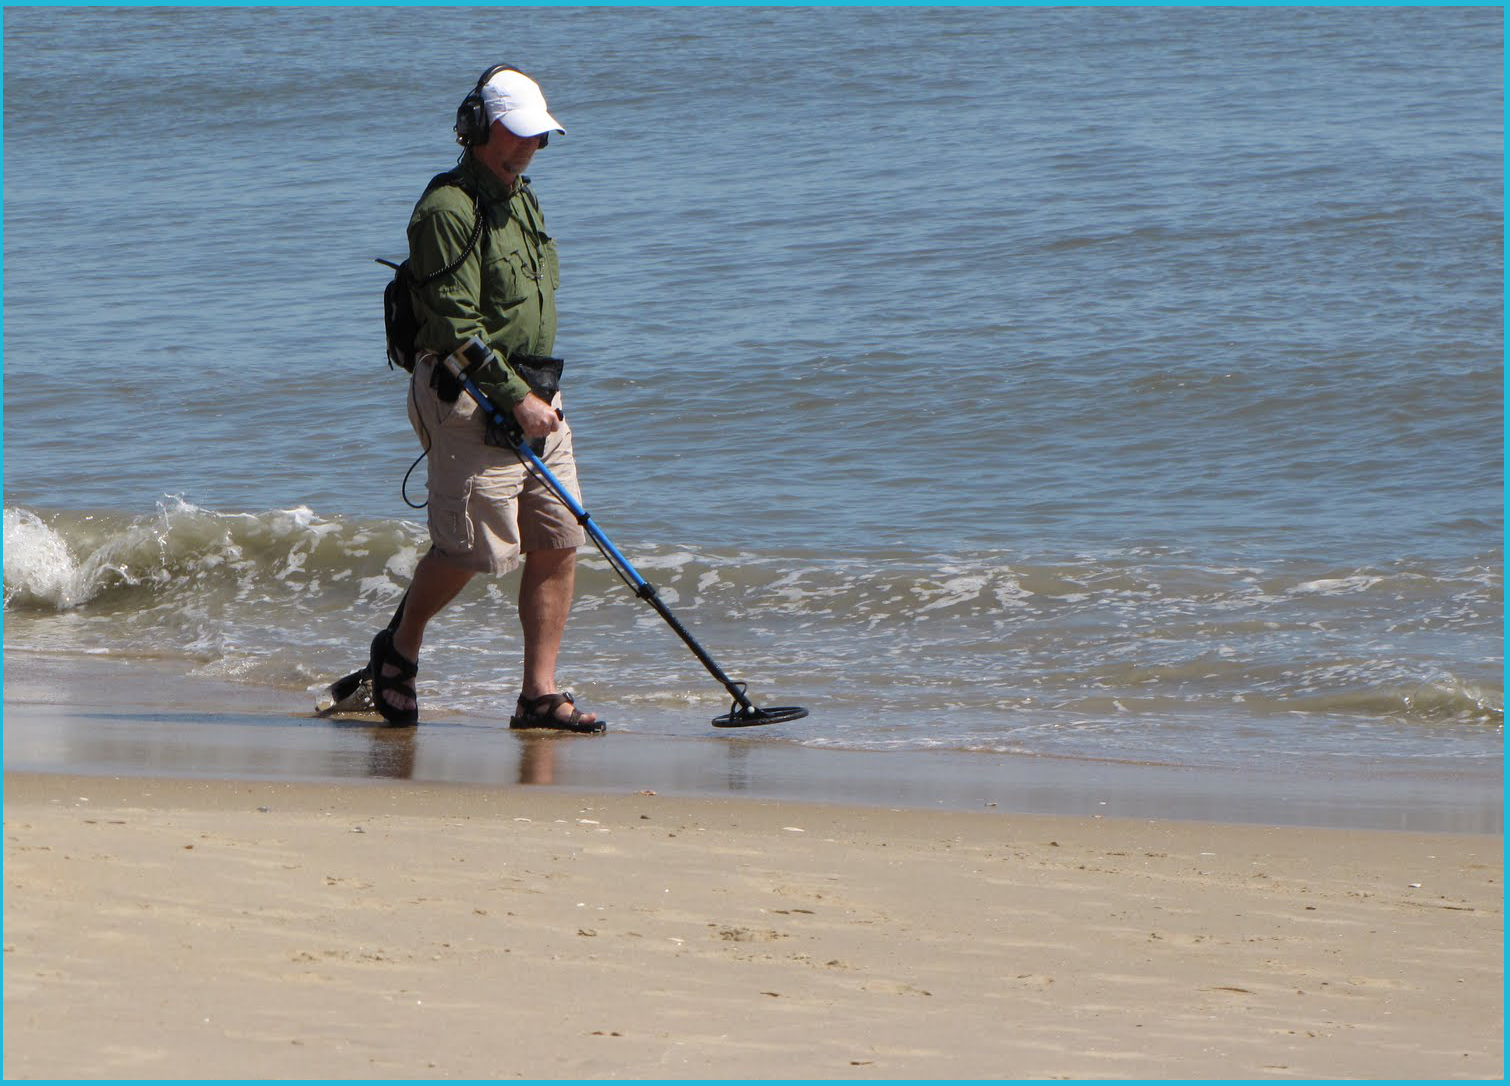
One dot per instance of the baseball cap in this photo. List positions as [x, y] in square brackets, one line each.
[515, 99]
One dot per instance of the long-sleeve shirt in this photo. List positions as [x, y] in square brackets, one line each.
[504, 291]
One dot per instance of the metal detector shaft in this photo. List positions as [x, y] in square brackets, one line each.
[506, 422]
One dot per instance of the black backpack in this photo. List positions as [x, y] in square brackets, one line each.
[400, 322]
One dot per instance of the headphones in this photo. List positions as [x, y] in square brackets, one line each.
[472, 125]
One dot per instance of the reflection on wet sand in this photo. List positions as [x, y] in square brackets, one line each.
[71, 714]
[393, 753]
[537, 760]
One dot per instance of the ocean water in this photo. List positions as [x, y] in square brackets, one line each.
[1099, 383]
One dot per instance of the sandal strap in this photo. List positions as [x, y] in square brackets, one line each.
[547, 704]
[540, 713]
[383, 657]
[391, 657]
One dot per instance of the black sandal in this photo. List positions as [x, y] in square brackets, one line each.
[540, 713]
[384, 655]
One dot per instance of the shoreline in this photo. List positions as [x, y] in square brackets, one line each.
[108, 716]
[183, 928]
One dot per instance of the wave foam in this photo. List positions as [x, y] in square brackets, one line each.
[41, 571]
[70, 559]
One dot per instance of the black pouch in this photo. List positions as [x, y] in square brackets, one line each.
[446, 387]
[543, 374]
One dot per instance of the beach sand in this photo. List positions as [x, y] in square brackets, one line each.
[184, 928]
[203, 882]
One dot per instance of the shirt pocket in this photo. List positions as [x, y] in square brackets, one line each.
[503, 277]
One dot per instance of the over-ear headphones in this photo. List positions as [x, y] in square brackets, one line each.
[472, 123]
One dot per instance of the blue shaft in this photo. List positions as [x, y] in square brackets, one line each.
[643, 588]
[509, 425]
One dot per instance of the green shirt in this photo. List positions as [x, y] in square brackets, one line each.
[505, 290]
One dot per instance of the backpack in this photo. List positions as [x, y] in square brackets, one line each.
[400, 322]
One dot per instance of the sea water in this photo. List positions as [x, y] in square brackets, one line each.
[1114, 384]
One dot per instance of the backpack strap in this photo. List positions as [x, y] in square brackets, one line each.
[529, 194]
[451, 179]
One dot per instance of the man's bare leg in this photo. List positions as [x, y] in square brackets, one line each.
[436, 583]
[545, 595]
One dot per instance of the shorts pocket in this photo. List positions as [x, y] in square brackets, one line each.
[450, 524]
[462, 412]
[427, 411]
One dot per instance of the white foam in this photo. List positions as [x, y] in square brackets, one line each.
[39, 567]
[402, 562]
[674, 561]
[1334, 586]
[955, 591]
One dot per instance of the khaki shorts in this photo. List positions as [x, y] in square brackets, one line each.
[485, 508]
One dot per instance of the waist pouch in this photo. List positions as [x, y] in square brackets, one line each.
[541, 372]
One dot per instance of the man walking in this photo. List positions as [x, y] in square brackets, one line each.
[483, 265]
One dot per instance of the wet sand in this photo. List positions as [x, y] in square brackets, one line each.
[104, 715]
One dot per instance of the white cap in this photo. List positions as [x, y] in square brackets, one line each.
[515, 99]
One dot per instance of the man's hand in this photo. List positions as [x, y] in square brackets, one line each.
[536, 417]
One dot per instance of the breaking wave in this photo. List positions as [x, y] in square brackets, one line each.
[969, 650]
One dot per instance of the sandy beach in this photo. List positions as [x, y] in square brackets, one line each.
[204, 882]
[200, 929]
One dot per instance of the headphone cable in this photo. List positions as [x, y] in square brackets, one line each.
[403, 488]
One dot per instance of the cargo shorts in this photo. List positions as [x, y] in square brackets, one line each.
[485, 507]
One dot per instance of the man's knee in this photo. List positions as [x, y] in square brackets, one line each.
[562, 556]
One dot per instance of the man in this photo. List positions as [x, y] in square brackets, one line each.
[485, 507]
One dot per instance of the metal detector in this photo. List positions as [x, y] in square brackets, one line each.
[743, 713]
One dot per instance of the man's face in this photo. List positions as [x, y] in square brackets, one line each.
[506, 154]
